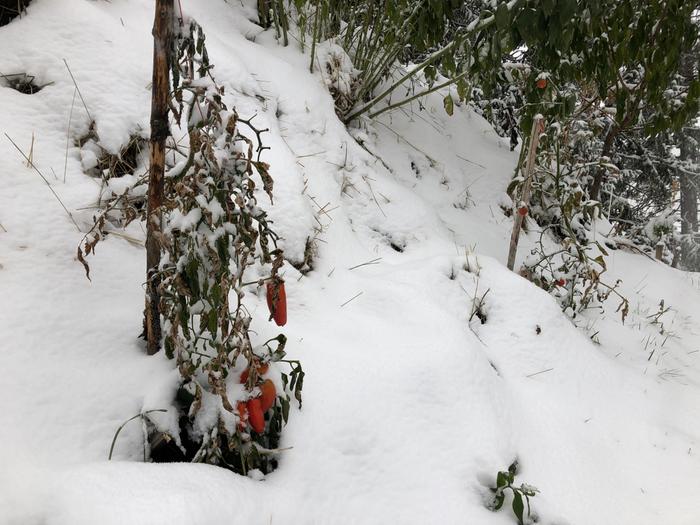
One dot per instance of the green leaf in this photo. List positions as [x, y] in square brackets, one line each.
[603, 250]
[462, 89]
[212, 325]
[548, 7]
[299, 386]
[566, 9]
[285, 408]
[502, 16]
[501, 480]
[518, 506]
[449, 104]
[499, 499]
[527, 25]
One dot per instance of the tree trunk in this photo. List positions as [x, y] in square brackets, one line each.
[689, 200]
[689, 138]
[160, 129]
[264, 13]
[600, 172]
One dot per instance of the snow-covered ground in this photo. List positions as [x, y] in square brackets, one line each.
[410, 409]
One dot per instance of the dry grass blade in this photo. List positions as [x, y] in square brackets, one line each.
[78, 90]
[116, 434]
[70, 118]
[46, 181]
[351, 299]
[373, 261]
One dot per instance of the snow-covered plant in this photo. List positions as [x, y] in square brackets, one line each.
[504, 481]
[213, 232]
[376, 35]
[567, 260]
[340, 76]
[233, 397]
[571, 272]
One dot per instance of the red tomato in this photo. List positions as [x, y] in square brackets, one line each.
[542, 83]
[269, 394]
[522, 211]
[261, 368]
[242, 409]
[278, 307]
[256, 416]
[561, 282]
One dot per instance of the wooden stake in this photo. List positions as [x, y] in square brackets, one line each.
[659, 251]
[160, 129]
[537, 125]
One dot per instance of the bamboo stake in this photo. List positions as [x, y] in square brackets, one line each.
[537, 125]
[160, 130]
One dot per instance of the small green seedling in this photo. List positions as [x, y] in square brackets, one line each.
[504, 480]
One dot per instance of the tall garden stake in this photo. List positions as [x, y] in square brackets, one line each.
[537, 125]
[162, 38]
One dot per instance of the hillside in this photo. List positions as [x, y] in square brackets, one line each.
[411, 404]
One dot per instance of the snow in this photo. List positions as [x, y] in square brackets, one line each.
[410, 408]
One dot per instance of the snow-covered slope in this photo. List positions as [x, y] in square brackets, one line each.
[410, 407]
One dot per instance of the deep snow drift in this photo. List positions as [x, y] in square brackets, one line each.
[410, 408]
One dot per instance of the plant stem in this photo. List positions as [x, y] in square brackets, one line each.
[478, 25]
[419, 95]
[315, 36]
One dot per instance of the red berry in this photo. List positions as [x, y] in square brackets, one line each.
[522, 211]
[542, 83]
